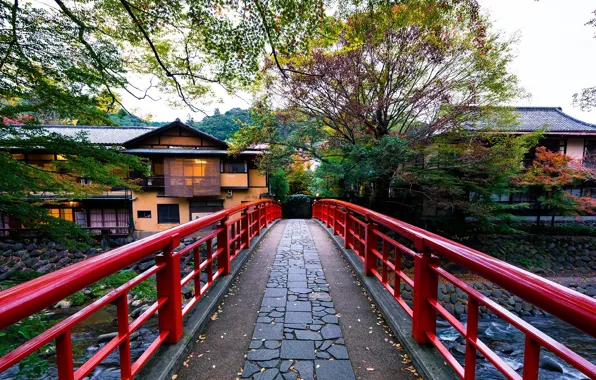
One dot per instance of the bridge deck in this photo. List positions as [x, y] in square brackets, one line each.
[296, 311]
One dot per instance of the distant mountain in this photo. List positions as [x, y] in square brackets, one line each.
[124, 118]
[221, 125]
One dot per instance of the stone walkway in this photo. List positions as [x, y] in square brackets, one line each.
[297, 326]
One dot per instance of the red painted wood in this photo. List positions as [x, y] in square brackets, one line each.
[574, 308]
[64, 356]
[168, 286]
[26, 299]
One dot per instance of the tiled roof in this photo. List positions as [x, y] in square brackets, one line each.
[196, 152]
[549, 119]
[176, 123]
[553, 119]
[103, 135]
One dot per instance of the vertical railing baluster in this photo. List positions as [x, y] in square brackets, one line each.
[64, 356]
[471, 336]
[246, 234]
[223, 242]
[123, 331]
[209, 265]
[397, 278]
[385, 257]
[531, 359]
[336, 214]
[347, 234]
[257, 228]
[371, 241]
[168, 286]
[197, 264]
[426, 283]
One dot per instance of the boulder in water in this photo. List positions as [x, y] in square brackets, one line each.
[550, 364]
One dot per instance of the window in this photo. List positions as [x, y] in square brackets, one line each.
[157, 166]
[143, 214]
[233, 166]
[554, 145]
[590, 153]
[168, 214]
[62, 213]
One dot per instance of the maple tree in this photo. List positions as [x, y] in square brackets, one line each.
[384, 76]
[551, 173]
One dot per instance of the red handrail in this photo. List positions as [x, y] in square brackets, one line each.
[363, 236]
[26, 299]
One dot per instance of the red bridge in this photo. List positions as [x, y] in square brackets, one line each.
[295, 310]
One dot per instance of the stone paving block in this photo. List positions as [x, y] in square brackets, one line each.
[274, 301]
[301, 290]
[305, 369]
[249, 369]
[297, 349]
[285, 365]
[338, 352]
[331, 332]
[276, 292]
[262, 354]
[307, 335]
[334, 370]
[299, 306]
[297, 284]
[297, 294]
[292, 276]
[269, 331]
[273, 363]
[269, 374]
[298, 317]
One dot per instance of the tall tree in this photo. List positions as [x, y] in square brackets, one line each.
[63, 56]
[70, 59]
[407, 70]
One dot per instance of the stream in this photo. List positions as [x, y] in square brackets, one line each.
[85, 343]
[504, 339]
[508, 343]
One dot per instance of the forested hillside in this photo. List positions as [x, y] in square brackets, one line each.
[221, 125]
[124, 118]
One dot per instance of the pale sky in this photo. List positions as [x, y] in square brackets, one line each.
[556, 57]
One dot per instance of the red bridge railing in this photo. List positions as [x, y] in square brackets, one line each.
[359, 229]
[234, 229]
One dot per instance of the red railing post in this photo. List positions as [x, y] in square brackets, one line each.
[371, 242]
[244, 223]
[531, 359]
[426, 283]
[223, 242]
[347, 233]
[123, 330]
[168, 286]
[64, 356]
[336, 221]
[471, 336]
[258, 220]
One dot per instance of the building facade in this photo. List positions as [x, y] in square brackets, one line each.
[191, 176]
[560, 133]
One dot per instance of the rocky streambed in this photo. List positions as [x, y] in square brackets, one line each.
[508, 343]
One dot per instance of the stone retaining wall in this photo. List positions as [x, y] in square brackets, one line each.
[456, 301]
[542, 253]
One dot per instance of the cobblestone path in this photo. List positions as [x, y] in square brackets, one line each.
[297, 334]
